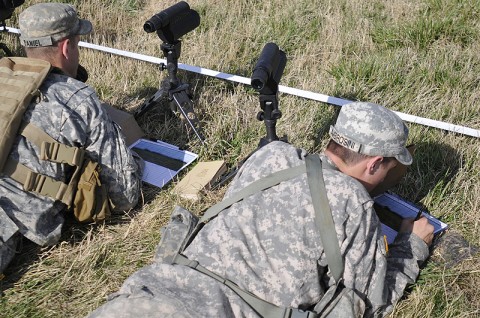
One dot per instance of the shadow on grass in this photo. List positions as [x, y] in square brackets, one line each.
[73, 233]
[162, 120]
[434, 165]
[29, 253]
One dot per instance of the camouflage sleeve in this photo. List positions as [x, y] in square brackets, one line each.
[392, 276]
[377, 275]
[405, 255]
[120, 172]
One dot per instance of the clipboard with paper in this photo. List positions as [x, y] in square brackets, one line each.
[392, 209]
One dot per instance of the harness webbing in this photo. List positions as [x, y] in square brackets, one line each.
[323, 220]
[255, 187]
[53, 151]
[262, 307]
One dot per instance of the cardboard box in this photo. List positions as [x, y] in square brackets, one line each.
[127, 122]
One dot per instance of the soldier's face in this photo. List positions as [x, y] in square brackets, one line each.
[383, 169]
[374, 170]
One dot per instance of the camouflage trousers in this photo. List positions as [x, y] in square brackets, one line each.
[8, 250]
[9, 240]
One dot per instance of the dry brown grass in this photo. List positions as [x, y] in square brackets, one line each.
[379, 51]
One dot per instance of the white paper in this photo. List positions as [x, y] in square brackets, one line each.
[158, 175]
[406, 210]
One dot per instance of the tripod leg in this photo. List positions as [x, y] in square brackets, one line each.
[152, 101]
[185, 107]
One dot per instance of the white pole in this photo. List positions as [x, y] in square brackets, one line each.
[284, 89]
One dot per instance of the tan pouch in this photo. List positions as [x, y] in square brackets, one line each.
[91, 203]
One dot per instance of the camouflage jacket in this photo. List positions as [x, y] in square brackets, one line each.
[71, 113]
[269, 245]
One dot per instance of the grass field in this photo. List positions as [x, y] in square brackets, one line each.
[417, 57]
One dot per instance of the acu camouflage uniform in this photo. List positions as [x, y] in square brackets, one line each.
[269, 245]
[71, 113]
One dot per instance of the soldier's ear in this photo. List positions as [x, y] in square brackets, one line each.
[393, 177]
[373, 164]
[64, 47]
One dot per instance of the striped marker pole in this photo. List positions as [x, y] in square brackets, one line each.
[284, 89]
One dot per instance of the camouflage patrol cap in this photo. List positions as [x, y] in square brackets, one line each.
[44, 24]
[372, 130]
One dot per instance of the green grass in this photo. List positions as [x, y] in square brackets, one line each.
[418, 57]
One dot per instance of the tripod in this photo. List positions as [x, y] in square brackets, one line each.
[269, 115]
[173, 90]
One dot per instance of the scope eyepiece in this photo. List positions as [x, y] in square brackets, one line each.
[269, 68]
[259, 78]
[152, 24]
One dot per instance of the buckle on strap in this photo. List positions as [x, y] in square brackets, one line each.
[57, 152]
[298, 313]
[44, 185]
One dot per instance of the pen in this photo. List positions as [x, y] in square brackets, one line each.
[419, 214]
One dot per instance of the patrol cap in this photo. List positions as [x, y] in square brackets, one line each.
[44, 24]
[371, 130]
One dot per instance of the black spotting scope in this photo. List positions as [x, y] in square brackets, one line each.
[269, 69]
[174, 22]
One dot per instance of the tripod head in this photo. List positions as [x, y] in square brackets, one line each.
[171, 24]
[265, 79]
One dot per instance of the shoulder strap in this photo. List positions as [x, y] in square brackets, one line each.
[323, 220]
[255, 187]
[323, 216]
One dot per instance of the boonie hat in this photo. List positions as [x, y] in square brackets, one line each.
[371, 130]
[44, 24]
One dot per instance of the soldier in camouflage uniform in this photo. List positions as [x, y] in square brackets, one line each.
[71, 113]
[268, 243]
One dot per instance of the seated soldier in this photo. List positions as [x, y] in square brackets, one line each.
[71, 113]
[268, 243]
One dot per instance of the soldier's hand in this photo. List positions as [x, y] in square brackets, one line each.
[421, 227]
